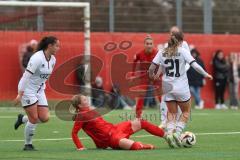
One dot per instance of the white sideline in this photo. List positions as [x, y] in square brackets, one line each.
[140, 136]
[14, 117]
[110, 115]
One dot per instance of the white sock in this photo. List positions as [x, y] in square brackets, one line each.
[179, 113]
[25, 119]
[170, 127]
[29, 132]
[163, 109]
[180, 127]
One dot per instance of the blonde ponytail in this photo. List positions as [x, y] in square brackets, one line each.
[173, 43]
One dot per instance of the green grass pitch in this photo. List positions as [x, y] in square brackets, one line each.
[218, 138]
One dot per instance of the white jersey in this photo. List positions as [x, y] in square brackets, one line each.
[41, 69]
[174, 71]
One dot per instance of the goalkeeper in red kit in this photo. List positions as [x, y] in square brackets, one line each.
[144, 56]
[105, 134]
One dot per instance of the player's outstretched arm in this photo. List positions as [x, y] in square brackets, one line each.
[77, 126]
[200, 70]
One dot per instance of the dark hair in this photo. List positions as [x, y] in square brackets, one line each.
[45, 41]
[173, 43]
[196, 52]
[217, 53]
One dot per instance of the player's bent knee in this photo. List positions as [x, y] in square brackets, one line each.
[44, 119]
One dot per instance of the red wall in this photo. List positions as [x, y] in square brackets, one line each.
[72, 45]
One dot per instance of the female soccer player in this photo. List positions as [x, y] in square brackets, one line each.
[105, 134]
[175, 85]
[146, 55]
[163, 106]
[31, 88]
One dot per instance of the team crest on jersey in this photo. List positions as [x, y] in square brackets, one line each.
[43, 65]
[28, 101]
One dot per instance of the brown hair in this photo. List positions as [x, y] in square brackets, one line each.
[76, 100]
[173, 43]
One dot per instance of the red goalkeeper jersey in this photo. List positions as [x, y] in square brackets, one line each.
[94, 126]
[145, 60]
[145, 57]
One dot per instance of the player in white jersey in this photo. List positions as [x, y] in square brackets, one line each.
[172, 61]
[31, 88]
[163, 106]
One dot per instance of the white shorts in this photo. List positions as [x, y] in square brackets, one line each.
[29, 99]
[177, 96]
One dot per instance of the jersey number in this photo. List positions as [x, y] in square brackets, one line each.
[172, 64]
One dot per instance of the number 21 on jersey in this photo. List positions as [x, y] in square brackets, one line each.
[172, 69]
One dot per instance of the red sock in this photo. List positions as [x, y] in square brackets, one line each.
[136, 146]
[148, 146]
[150, 128]
[139, 107]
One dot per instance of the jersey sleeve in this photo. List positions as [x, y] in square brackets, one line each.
[33, 64]
[157, 58]
[185, 45]
[187, 56]
[77, 126]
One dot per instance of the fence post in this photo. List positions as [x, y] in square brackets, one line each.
[111, 16]
[207, 11]
[179, 13]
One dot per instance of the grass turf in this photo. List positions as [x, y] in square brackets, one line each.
[212, 127]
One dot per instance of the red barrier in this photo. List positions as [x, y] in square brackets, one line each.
[72, 45]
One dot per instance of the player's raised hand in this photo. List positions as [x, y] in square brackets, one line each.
[209, 77]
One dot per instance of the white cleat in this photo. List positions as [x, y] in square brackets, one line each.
[177, 139]
[170, 141]
[223, 106]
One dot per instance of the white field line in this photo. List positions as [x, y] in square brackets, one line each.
[139, 136]
[129, 114]
[15, 117]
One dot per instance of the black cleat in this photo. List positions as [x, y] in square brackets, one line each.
[29, 147]
[18, 121]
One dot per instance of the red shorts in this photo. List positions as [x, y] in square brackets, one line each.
[120, 131]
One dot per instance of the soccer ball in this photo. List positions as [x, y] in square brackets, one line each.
[188, 139]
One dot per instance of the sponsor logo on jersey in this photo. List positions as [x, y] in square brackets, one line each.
[44, 76]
